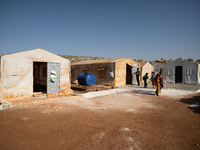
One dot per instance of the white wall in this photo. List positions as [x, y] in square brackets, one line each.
[190, 71]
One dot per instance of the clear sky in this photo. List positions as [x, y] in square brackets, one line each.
[139, 29]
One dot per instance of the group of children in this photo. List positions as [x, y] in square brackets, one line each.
[156, 80]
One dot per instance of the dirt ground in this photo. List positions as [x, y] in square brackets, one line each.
[125, 121]
[77, 89]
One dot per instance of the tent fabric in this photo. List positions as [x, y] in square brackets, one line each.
[190, 71]
[113, 74]
[198, 73]
[146, 67]
[112, 67]
[96, 61]
[142, 64]
[0, 78]
[17, 73]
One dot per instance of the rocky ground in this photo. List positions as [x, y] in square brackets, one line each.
[130, 118]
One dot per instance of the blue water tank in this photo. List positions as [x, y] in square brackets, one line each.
[86, 79]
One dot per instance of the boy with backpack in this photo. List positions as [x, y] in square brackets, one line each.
[145, 77]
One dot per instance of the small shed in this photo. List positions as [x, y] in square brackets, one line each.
[180, 71]
[146, 67]
[24, 73]
[114, 72]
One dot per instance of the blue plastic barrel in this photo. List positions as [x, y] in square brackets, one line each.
[86, 79]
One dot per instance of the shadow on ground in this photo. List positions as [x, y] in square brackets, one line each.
[194, 103]
[146, 92]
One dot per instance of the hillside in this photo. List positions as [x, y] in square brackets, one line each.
[74, 59]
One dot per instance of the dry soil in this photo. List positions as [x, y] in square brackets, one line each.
[126, 120]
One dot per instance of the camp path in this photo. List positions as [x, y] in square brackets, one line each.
[125, 119]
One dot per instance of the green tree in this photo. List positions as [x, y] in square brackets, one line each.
[190, 59]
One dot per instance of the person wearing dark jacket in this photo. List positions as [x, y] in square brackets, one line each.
[145, 77]
[138, 76]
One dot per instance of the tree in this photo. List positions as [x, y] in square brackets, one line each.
[179, 58]
[198, 60]
[139, 60]
[190, 59]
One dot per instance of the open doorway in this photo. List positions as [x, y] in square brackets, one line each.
[128, 74]
[178, 74]
[40, 77]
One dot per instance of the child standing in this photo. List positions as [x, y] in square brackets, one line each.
[145, 77]
[153, 79]
[159, 84]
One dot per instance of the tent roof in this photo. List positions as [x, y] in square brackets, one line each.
[142, 64]
[97, 61]
[36, 54]
[180, 61]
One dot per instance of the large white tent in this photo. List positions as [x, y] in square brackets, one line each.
[22, 74]
[180, 71]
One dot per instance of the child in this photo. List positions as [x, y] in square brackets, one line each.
[153, 79]
[145, 77]
[159, 83]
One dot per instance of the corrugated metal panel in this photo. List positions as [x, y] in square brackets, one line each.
[53, 77]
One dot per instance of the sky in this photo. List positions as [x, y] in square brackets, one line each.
[139, 29]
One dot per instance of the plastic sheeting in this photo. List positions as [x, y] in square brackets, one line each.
[17, 73]
[190, 71]
[112, 67]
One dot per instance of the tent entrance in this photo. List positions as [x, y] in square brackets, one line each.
[178, 74]
[128, 74]
[40, 77]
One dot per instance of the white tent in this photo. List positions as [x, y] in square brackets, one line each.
[146, 67]
[31, 71]
[180, 71]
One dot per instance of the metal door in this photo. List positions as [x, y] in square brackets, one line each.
[134, 70]
[53, 77]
